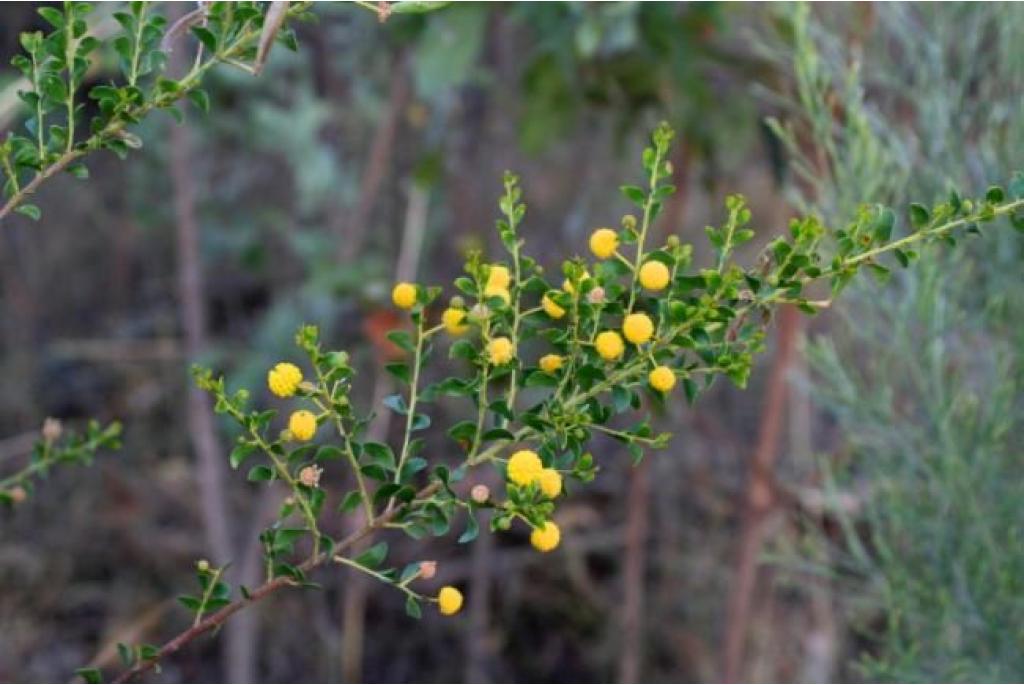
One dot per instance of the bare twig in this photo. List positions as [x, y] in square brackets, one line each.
[219, 618]
[272, 23]
[759, 498]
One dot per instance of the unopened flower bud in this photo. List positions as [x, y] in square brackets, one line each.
[629, 222]
[596, 296]
[428, 569]
[457, 303]
[479, 312]
[673, 241]
[310, 476]
[203, 565]
[480, 493]
[17, 494]
[51, 430]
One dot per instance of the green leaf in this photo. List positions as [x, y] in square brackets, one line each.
[380, 453]
[201, 99]
[919, 215]
[79, 171]
[396, 403]
[412, 607]
[239, 453]
[399, 370]
[260, 473]
[351, 502]
[373, 557]
[412, 467]
[90, 675]
[472, 529]
[403, 340]
[29, 210]
[53, 16]
[634, 194]
[206, 37]
[417, 7]
[126, 654]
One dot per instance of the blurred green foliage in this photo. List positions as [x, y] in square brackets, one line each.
[931, 408]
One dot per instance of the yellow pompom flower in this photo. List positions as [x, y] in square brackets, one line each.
[454, 320]
[500, 351]
[404, 295]
[550, 482]
[550, 363]
[662, 379]
[609, 345]
[604, 242]
[638, 328]
[524, 467]
[302, 425]
[498, 291]
[654, 275]
[499, 277]
[284, 379]
[547, 537]
[551, 308]
[449, 600]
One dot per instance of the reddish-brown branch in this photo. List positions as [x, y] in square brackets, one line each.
[353, 227]
[759, 497]
[217, 619]
[633, 575]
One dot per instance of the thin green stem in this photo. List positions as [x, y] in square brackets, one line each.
[659, 151]
[207, 594]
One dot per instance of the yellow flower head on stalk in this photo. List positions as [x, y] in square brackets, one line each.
[302, 425]
[499, 277]
[404, 295]
[283, 380]
[454, 320]
[547, 537]
[604, 242]
[662, 378]
[449, 600]
[500, 351]
[638, 328]
[551, 308]
[524, 467]
[550, 482]
[609, 345]
[654, 275]
[550, 363]
[498, 291]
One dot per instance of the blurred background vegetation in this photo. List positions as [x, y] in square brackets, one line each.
[855, 514]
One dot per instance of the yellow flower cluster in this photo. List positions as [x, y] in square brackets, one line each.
[654, 275]
[551, 363]
[501, 351]
[609, 345]
[302, 425]
[454, 320]
[283, 380]
[404, 295]
[449, 600]
[638, 328]
[525, 468]
[662, 378]
[546, 537]
[498, 282]
[551, 308]
[604, 242]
